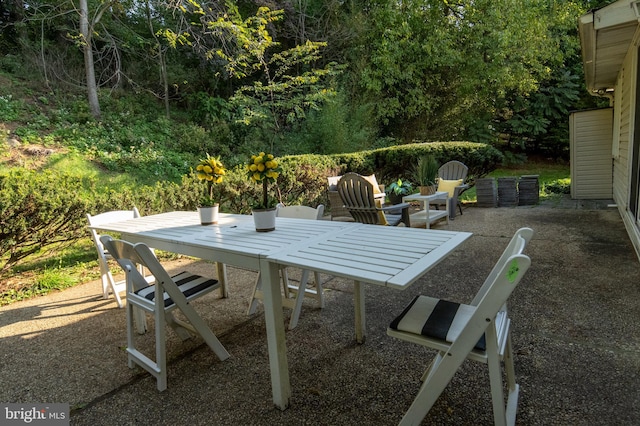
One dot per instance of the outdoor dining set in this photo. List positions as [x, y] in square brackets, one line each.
[394, 257]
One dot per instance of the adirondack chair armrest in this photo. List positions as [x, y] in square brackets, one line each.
[395, 207]
[460, 189]
[401, 210]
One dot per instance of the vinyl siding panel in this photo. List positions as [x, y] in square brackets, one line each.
[623, 101]
[591, 145]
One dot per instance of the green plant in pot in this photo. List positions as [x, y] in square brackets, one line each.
[398, 189]
[264, 169]
[426, 173]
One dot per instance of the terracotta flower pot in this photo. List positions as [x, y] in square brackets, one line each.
[428, 190]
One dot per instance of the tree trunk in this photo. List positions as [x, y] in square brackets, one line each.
[92, 89]
[161, 60]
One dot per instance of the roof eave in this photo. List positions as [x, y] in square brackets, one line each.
[617, 21]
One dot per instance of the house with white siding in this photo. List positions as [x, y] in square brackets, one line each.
[605, 143]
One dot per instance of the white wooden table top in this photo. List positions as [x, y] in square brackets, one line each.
[233, 240]
[389, 256]
[382, 255]
[419, 197]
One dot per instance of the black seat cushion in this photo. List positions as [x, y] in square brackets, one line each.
[435, 318]
[189, 284]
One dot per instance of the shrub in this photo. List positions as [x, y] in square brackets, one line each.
[558, 186]
[398, 161]
[39, 209]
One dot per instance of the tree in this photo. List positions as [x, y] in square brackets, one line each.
[86, 31]
[277, 87]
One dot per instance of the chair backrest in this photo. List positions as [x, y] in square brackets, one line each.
[453, 170]
[498, 291]
[300, 212]
[128, 255]
[333, 182]
[128, 258]
[108, 217]
[358, 197]
[515, 247]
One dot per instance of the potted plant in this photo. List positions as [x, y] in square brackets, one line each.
[426, 172]
[264, 169]
[211, 171]
[399, 189]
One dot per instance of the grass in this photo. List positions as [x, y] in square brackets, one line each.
[57, 269]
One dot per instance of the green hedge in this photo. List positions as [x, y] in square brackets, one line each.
[304, 177]
[40, 209]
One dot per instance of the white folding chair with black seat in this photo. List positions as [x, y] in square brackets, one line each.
[168, 293]
[479, 332]
[109, 284]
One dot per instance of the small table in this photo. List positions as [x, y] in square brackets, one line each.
[429, 216]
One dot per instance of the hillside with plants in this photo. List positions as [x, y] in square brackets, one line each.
[113, 105]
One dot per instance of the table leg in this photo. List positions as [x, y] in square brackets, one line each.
[426, 213]
[222, 277]
[448, 207]
[276, 342]
[361, 322]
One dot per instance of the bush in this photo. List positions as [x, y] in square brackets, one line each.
[39, 209]
[392, 163]
[559, 186]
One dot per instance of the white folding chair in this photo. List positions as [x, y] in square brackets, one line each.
[479, 332]
[301, 290]
[167, 294]
[109, 284]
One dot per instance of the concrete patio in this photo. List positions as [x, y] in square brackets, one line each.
[575, 331]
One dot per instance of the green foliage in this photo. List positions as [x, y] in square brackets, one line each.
[284, 84]
[400, 187]
[8, 108]
[11, 63]
[40, 209]
[559, 186]
[426, 170]
[399, 161]
[337, 127]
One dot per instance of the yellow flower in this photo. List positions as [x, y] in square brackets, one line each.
[257, 177]
[261, 167]
[253, 167]
[211, 170]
